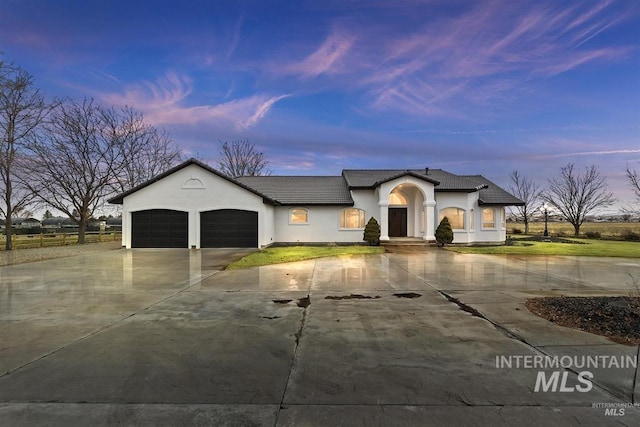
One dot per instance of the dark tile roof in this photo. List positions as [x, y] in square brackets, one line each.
[444, 181]
[302, 190]
[493, 194]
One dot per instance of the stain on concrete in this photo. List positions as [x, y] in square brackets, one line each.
[282, 301]
[271, 317]
[352, 296]
[304, 302]
[407, 295]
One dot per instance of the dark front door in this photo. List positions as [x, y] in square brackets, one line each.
[397, 222]
[229, 228]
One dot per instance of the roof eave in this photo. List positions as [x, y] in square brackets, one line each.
[317, 204]
[505, 203]
[455, 190]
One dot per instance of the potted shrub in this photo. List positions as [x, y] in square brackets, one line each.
[372, 232]
[444, 232]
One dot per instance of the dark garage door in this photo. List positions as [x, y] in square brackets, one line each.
[159, 228]
[229, 228]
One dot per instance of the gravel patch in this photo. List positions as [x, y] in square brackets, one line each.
[20, 256]
[617, 318]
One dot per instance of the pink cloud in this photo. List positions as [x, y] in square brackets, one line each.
[325, 59]
[492, 51]
[588, 153]
[164, 102]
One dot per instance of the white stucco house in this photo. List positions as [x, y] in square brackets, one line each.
[195, 206]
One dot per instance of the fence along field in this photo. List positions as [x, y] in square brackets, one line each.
[42, 240]
[606, 230]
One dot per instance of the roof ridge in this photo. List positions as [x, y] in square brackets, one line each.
[290, 176]
[392, 170]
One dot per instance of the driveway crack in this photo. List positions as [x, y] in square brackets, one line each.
[303, 303]
[513, 335]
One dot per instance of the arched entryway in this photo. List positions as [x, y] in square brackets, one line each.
[406, 209]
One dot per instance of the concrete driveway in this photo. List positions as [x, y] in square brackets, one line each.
[163, 337]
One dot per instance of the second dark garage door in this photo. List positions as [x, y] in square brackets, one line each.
[229, 228]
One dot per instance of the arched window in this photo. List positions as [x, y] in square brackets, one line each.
[488, 218]
[352, 218]
[398, 198]
[298, 216]
[455, 216]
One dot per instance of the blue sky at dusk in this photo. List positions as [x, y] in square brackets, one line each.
[468, 86]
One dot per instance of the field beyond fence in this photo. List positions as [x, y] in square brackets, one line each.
[598, 230]
[42, 240]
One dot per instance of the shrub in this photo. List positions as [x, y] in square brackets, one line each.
[444, 232]
[372, 232]
[631, 236]
[593, 235]
[516, 230]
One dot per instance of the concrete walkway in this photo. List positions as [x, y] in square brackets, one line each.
[164, 337]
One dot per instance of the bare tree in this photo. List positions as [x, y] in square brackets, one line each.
[143, 150]
[634, 181]
[575, 195]
[527, 191]
[241, 158]
[22, 110]
[71, 167]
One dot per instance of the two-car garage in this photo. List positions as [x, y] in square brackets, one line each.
[194, 206]
[221, 228]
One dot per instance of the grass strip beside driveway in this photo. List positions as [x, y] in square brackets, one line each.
[599, 248]
[279, 255]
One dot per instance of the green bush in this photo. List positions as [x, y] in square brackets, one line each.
[516, 230]
[593, 235]
[444, 232]
[372, 232]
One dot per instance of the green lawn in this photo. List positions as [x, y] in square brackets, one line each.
[299, 253]
[604, 248]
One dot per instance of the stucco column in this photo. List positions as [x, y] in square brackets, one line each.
[429, 209]
[384, 219]
[126, 229]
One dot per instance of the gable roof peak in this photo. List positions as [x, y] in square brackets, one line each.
[119, 199]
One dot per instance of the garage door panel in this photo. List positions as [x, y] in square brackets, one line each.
[159, 228]
[229, 228]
